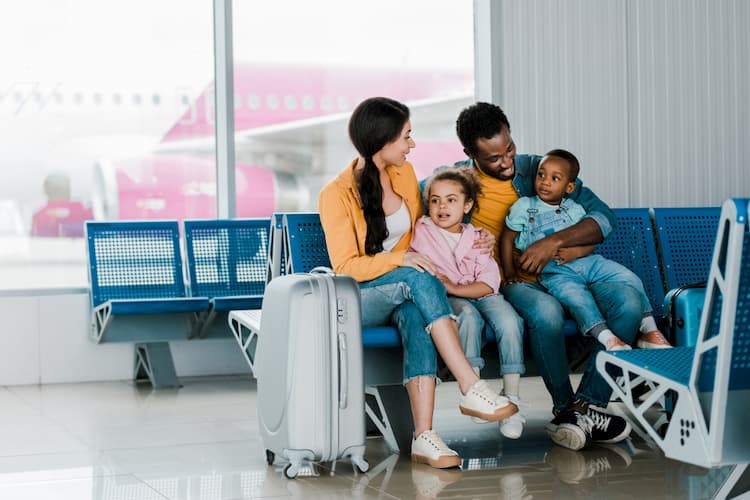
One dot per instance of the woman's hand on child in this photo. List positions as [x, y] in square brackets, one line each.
[419, 262]
[450, 287]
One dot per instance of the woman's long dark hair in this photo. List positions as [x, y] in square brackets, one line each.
[374, 123]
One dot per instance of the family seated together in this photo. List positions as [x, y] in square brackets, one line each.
[500, 239]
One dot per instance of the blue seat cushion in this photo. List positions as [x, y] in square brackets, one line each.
[224, 304]
[380, 336]
[674, 364]
[158, 306]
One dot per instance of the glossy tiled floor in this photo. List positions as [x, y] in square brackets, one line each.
[119, 441]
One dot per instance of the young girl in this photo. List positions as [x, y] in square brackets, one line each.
[473, 277]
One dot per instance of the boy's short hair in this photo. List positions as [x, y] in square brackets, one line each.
[574, 167]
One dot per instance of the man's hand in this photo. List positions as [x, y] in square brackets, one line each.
[569, 254]
[450, 287]
[539, 254]
[486, 242]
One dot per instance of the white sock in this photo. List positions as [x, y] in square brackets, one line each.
[648, 324]
[476, 370]
[511, 381]
[604, 336]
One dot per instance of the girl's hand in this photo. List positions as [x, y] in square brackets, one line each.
[449, 285]
[419, 262]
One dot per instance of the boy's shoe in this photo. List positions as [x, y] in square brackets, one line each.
[652, 340]
[481, 401]
[512, 427]
[615, 344]
[570, 429]
[607, 428]
[429, 448]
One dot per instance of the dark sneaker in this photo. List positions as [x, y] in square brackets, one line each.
[607, 428]
[573, 467]
[570, 429]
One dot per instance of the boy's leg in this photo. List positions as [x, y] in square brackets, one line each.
[570, 288]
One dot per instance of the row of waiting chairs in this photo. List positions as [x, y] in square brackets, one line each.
[141, 291]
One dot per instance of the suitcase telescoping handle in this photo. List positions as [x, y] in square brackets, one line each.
[343, 355]
[343, 371]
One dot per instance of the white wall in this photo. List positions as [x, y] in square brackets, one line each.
[652, 96]
[45, 340]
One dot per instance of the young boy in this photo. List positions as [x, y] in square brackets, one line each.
[568, 278]
[449, 195]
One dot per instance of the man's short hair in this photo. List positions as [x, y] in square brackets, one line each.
[481, 120]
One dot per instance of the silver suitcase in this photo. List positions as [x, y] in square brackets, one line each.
[309, 370]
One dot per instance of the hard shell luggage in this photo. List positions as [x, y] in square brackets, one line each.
[683, 307]
[309, 370]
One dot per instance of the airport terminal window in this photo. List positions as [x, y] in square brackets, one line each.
[132, 136]
[100, 140]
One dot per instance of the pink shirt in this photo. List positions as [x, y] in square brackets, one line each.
[464, 267]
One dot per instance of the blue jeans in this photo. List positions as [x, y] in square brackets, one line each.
[502, 318]
[412, 301]
[569, 283]
[543, 314]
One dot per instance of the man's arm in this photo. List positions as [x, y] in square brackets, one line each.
[599, 222]
[506, 256]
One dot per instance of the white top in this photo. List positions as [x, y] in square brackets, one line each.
[398, 223]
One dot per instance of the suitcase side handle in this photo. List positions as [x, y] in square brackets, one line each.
[343, 371]
[322, 270]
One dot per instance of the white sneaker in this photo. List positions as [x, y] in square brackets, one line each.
[429, 448]
[512, 427]
[481, 401]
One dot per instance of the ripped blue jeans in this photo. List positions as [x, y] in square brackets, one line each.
[412, 301]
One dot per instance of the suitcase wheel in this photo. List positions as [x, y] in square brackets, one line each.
[291, 471]
[270, 457]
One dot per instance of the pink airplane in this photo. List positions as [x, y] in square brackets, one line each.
[290, 138]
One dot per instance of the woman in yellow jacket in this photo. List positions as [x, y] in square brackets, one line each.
[368, 213]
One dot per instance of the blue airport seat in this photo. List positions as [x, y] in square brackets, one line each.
[138, 292]
[227, 262]
[633, 245]
[710, 381]
[686, 239]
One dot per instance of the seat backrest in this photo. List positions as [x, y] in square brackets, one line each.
[722, 355]
[686, 238]
[227, 257]
[134, 260]
[305, 243]
[633, 245]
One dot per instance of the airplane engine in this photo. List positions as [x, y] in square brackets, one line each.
[184, 187]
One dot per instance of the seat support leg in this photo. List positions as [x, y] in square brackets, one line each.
[153, 363]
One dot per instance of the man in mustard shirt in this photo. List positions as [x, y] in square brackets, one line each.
[579, 417]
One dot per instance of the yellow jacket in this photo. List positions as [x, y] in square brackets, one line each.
[344, 223]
